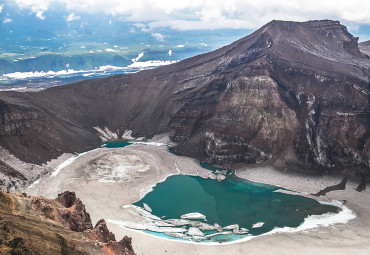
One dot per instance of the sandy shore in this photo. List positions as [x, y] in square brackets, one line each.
[106, 179]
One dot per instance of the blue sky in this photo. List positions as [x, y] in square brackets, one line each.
[150, 15]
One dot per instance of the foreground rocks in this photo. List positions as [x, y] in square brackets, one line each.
[36, 225]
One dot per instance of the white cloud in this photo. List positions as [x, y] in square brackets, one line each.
[72, 17]
[1, 8]
[36, 6]
[211, 14]
[139, 25]
[158, 36]
[7, 20]
[40, 14]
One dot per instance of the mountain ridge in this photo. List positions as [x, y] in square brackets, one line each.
[289, 93]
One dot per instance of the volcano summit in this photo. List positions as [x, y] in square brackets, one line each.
[290, 94]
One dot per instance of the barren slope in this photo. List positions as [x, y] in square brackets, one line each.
[294, 92]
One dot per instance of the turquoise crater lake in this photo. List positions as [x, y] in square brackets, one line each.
[254, 206]
[232, 201]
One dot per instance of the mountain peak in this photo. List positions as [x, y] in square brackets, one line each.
[326, 23]
[312, 35]
[291, 91]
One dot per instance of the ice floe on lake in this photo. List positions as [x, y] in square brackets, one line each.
[258, 225]
[194, 216]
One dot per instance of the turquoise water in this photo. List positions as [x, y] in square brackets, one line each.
[116, 144]
[233, 201]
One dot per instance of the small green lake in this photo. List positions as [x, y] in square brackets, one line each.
[232, 201]
[116, 144]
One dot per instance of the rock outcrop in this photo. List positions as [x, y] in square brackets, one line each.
[36, 225]
[290, 93]
[365, 48]
[66, 209]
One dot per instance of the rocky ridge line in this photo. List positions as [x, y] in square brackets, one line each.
[37, 225]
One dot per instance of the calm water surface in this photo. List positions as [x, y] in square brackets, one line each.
[232, 201]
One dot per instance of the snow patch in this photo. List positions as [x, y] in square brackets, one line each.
[68, 162]
[34, 183]
[106, 133]
[14, 89]
[49, 74]
[324, 220]
[138, 57]
[151, 63]
[127, 135]
[152, 143]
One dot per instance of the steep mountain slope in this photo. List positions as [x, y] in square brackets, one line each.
[294, 92]
[36, 225]
[365, 47]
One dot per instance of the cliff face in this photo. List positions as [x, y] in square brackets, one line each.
[36, 225]
[288, 93]
[365, 47]
[19, 119]
[34, 133]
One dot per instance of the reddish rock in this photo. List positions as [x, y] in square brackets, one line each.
[67, 198]
[74, 212]
[123, 247]
[68, 210]
[126, 242]
[102, 233]
[45, 228]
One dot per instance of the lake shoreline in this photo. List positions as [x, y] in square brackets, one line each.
[163, 164]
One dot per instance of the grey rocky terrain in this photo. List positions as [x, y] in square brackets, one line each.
[292, 94]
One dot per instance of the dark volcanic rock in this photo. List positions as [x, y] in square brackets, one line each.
[126, 243]
[365, 47]
[36, 225]
[66, 209]
[102, 232]
[340, 186]
[294, 92]
[67, 199]
[74, 212]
